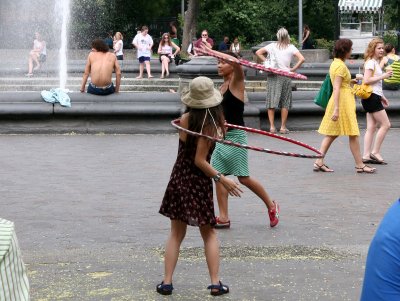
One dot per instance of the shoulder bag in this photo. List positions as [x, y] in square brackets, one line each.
[324, 93]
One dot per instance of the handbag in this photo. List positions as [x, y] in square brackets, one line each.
[324, 93]
[363, 91]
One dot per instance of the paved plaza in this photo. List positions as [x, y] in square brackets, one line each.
[86, 214]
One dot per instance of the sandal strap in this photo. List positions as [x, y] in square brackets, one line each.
[165, 287]
[219, 286]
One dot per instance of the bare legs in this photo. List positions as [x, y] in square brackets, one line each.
[211, 250]
[164, 66]
[222, 198]
[284, 116]
[325, 145]
[178, 232]
[141, 69]
[354, 144]
[374, 119]
[355, 150]
[271, 119]
[33, 58]
[252, 184]
[147, 63]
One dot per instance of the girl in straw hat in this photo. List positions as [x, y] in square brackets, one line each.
[188, 199]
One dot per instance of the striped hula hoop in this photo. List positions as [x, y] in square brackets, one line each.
[176, 123]
[253, 65]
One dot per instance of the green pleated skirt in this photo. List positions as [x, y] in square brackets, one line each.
[232, 160]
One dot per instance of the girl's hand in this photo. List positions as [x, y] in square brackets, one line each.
[385, 102]
[231, 186]
[387, 74]
[335, 115]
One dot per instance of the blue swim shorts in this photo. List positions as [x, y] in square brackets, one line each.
[142, 59]
[107, 90]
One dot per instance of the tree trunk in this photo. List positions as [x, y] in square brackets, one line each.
[190, 23]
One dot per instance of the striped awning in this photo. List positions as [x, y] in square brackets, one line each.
[360, 6]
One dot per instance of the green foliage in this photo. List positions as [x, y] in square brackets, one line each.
[259, 20]
[295, 41]
[319, 15]
[392, 17]
[325, 44]
[390, 37]
[93, 19]
[253, 21]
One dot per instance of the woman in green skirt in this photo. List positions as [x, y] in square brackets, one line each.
[231, 160]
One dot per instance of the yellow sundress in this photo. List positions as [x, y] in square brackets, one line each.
[346, 125]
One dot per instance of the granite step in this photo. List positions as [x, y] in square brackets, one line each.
[130, 84]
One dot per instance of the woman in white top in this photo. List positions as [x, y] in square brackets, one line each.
[279, 88]
[36, 54]
[235, 47]
[118, 46]
[376, 103]
[165, 51]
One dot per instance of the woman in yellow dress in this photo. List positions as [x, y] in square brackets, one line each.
[340, 116]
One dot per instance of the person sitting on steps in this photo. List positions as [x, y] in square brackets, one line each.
[100, 66]
[37, 54]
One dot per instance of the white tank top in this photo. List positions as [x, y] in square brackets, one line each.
[235, 48]
[166, 49]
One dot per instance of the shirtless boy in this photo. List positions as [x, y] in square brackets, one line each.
[100, 65]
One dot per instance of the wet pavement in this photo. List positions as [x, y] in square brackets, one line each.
[86, 214]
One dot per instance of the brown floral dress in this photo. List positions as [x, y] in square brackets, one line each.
[189, 194]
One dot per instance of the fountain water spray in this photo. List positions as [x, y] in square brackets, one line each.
[63, 9]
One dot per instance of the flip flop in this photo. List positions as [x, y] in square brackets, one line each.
[284, 131]
[375, 160]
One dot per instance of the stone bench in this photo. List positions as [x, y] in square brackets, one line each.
[151, 112]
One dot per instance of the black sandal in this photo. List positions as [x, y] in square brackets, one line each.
[375, 160]
[323, 168]
[221, 289]
[164, 289]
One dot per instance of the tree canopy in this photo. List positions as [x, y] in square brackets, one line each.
[252, 21]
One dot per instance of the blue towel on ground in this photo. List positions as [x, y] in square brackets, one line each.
[57, 95]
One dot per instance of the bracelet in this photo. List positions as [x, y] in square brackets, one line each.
[217, 177]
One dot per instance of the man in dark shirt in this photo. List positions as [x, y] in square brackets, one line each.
[109, 40]
[224, 45]
[204, 40]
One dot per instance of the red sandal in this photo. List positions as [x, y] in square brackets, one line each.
[221, 225]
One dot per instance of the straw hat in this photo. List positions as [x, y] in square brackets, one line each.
[201, 94]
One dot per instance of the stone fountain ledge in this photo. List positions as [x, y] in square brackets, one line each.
[144, 113]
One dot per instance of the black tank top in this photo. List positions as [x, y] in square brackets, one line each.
[233, 108]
